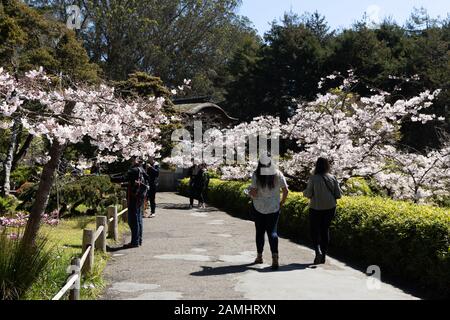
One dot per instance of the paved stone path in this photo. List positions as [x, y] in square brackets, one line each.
[207, 254]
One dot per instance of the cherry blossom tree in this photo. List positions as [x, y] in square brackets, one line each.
[234, 151]
[349, 129]
[359, 134]
[414, 175]
[116, 126]
[246, 142]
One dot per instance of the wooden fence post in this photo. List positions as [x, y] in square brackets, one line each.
[100, 244]
[88, 240]
[113, 226]
[74, 293]
[125, 214]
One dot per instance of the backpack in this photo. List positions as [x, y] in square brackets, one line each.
[140, 186]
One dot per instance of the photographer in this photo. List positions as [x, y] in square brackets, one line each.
[136, 182]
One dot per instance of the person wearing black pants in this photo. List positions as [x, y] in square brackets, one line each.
[267, 183]
[135, 179]
[198, 185]
[153, 174]
[320, 222]
[266, 223]
[323, 190]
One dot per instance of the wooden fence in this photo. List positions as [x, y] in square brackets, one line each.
[106, 227]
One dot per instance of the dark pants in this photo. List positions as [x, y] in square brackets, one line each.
[266, 223]
[135, 222]
[196, 193]
[151, 195]
[320, 222]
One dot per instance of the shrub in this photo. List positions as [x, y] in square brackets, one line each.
[20, 266]
[213, 174]
[357, 187]
[23, 174]
[25, 187]
[94, 192]
[409, 241]
[443, 201]
[8, 205]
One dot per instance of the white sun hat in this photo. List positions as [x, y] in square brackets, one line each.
[264, 159]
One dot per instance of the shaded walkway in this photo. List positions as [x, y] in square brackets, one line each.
[207, 254]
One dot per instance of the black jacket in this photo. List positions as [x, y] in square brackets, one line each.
[153, 174]
[130, 179]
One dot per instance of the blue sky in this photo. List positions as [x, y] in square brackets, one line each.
[340, 13]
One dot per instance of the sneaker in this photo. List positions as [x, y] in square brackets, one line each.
[259, 259]
[275, 262]
[152, 215]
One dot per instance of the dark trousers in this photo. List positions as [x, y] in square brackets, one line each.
[151, 195]
[320, 222]
[135, 222]
[266, 223]
[196, 193]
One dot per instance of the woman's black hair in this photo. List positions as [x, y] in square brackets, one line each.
[322, 166]
[264, 180]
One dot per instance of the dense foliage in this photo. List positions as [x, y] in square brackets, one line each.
[93, 193]
[360, 135]
[406, 240]
[8, 205]
[226, 58]
[29, 40]
[299, 50]
[171, 39]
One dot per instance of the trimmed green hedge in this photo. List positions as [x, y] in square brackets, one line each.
[411, 242]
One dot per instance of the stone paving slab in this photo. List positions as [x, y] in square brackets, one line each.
[207, 254]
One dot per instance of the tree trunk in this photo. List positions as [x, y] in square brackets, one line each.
[45, 184]
[22, 152]
[43, 192]
[7, 164]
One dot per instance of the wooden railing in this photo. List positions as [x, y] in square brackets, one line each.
[106, 227]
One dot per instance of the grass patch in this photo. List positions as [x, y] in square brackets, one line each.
[65, 241]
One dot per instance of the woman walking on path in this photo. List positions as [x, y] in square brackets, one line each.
[267, 182]
[323, 190]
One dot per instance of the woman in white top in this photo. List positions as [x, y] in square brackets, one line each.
[323, 190]
[267, 183]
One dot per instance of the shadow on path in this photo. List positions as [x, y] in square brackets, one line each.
[211, 271]
[173, 206]
[121, 248]
[183, 206]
